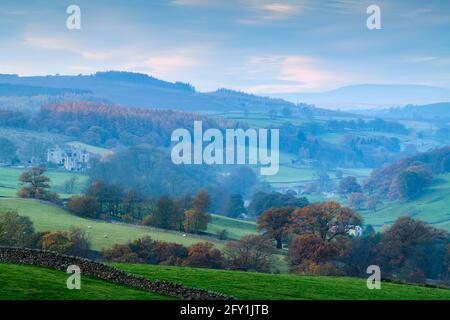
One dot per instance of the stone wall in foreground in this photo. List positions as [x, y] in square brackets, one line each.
[101, 271]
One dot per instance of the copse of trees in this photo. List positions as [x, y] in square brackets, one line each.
[320, 232]
[410, 183]
[104, 201]
[349, 185]
[235, 206]
[187, 214]
[150, 170]
[410, 250]
[84, 206]
[109, 125]
[166, 215]
[304, 140]
[15, 230]
[408, 177]
[147, 250]
[250, 253]
[110, 201]
[310, 254]
[8, 151]
[262, 201]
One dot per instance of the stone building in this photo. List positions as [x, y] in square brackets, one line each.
[69, 158]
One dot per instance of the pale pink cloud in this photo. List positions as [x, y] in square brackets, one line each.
[291, 73]
[166, 64]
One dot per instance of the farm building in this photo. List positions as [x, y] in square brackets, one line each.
[70, 158]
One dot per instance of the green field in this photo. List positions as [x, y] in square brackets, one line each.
[20, 282]
[47, 217]
[433, 206]
[291, 176]
[258, 286]
[9, 181]
[236, 228]
[260, 120]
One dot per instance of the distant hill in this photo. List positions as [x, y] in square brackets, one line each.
[429, 111]
[370, 96]
[17, 90]
[140, 90]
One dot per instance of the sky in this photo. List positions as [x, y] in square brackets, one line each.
[257, 46]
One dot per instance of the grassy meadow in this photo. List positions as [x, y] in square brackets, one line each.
[21, 282]
[46, 217]
[258, 286]
[433, 206]
[9, 181]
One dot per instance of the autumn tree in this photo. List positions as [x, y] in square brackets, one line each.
[80, 242]
[167, 214]
[326, 220]
[413, 249]
[169, 253]
[362, 252]
[109, 196]
[309, 251]
[120, 253]
[204, 255]
[275, 224]
[56, 241]
[84, 206]
[349, 185]
[15, 230]
[196, 221]
[410, 183]
[202, 201]
[252, 252]
[36, 185]
[134, 204]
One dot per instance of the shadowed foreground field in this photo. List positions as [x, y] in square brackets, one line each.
[257, 286]
[19, 282]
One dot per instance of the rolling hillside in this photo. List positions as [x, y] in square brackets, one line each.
[258, 286]
[433, 206]
[20, 282]
[9, 181]
[47, 217]
[35, 283]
